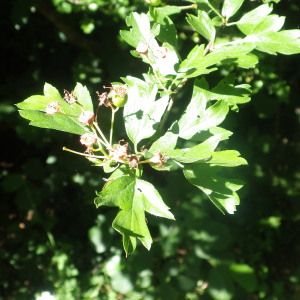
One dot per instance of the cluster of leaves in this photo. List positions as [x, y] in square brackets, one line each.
[151, 99]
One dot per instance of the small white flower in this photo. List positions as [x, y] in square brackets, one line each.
[88, 139]
[86, 117]
[52, 108]
[142, 48]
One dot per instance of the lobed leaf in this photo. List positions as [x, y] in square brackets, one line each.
[201, 152]
[142, 113]
[140, 30]
[275, 42]
[133, 196]
[196, 64]
[249, 21]
[227, 158]
[230, 7]
[34, 107]
[227, 91]
[197, 117]
[221, 191]
[84, 97]
[166, 31]
[203, 25]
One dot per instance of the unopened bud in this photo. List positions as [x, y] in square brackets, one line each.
[142, 48]
[118, 95]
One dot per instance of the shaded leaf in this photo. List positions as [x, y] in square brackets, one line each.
[221, 191]
[244, 275]
[227, 158]
[221, 286]
[166, 31]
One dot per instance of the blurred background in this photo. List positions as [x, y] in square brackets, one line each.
[55, 243]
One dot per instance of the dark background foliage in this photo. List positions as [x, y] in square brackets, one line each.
[53, 239]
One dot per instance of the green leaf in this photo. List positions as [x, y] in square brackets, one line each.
[220, 286]
[166, 31]
[275, 42]
[249, 21]
[203, 25]
[227, 158]
[159, 13]
[167, 141]
[51, 92]
[142, 113]
[271, 23]
[84, 97]
[245, 276]
[196, 64]
[34, 107]
[151, 200]
[140, 30]
[131, 223]
[201, 152]
[247, 61]
[193, 59]
[230, 7]
[227, 91]
[133, 196]
[196, 118]
[221, 191]
[56, 121]
[36, 102]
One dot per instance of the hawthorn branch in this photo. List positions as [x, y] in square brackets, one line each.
[74, 36]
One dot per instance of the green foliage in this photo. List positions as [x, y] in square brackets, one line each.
[54, 242]
[149, 103]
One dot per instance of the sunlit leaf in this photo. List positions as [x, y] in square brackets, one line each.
[230, 7]
[142, 112]
[203, 25]
[249, 20]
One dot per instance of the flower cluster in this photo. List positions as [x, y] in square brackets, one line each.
[119, 154]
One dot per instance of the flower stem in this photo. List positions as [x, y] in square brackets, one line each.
[112, 125]
[106, 143]
[215, 11]
[83, 154]
[192, 6]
